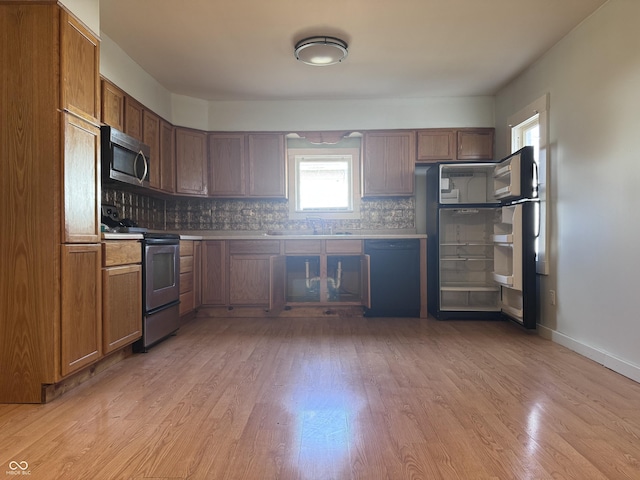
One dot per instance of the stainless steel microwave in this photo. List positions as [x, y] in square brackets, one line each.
[124, 158]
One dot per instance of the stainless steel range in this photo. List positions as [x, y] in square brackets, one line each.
[160, 288]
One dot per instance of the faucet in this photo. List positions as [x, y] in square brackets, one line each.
[311, 221]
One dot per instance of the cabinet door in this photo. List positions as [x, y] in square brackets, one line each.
[80, 181]
[80, 69]
[112, 105]
[249, 279]
[197, 274]
[266, 165]
[121, 306]
[80, 323]
[388, 163]
[277, 283]
[133, 118]
[436, 144]
[167, 157]
[151, 137]
[191, 162]
[227, 165]
[186, 277]
[214, 279]
[475, 144]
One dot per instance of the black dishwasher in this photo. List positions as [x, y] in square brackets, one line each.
[394, 277]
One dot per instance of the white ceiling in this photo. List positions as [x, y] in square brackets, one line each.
[243, 49]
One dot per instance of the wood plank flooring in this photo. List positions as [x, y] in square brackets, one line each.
[336, 398]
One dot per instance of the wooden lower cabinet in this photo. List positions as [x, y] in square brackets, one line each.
[249, 280]
[197, 274]
[190, 276]
[267, 273]
[81, 321]
[214, 272]
[121, 294]
[250, 271]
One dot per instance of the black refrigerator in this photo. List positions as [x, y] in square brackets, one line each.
[482, 228]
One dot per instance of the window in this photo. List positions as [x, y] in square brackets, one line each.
[529, 128]
[324, 181]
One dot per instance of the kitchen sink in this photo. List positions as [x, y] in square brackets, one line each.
[310, 233]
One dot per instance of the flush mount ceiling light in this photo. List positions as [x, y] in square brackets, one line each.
[321, 51]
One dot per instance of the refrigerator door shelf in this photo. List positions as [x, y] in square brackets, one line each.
[502, 239]
[515, 313]
[506, 178]
[504, 192]
[502, 171]
[506, 280]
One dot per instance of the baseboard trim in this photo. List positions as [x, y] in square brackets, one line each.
[611, 362]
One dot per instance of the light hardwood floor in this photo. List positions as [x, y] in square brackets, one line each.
[336, 398]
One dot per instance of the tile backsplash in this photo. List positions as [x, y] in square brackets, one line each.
[182, 213]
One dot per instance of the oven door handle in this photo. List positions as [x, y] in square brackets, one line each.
[161, 241]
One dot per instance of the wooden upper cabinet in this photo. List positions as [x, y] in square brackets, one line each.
[191, 162]
[133, 118]
[112, 105]
[443, 145]
[247, 165]
[151, 137]
[475, 144]
[388, 163]
[227, 165]
[81, 185]
[266, 165]
[167, 157]
[80, 67]
[436, 144]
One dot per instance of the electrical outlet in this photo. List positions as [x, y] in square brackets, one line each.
[552, 297]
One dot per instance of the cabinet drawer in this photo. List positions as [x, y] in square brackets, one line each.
[186, 264]
[186, 282]
[121, 252]
[302, 246]
[344, 246]
[186, 247]
[254, 246]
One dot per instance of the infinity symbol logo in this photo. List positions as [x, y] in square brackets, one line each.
[13, 465]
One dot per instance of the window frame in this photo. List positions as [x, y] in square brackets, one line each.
[328, 214]
[536, 112]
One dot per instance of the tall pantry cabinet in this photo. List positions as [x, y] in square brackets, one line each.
[50, 290]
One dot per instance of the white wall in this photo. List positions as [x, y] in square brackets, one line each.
[88, 11]
[184, 111]
[352, 114]
[593, 77]
[120, 69]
